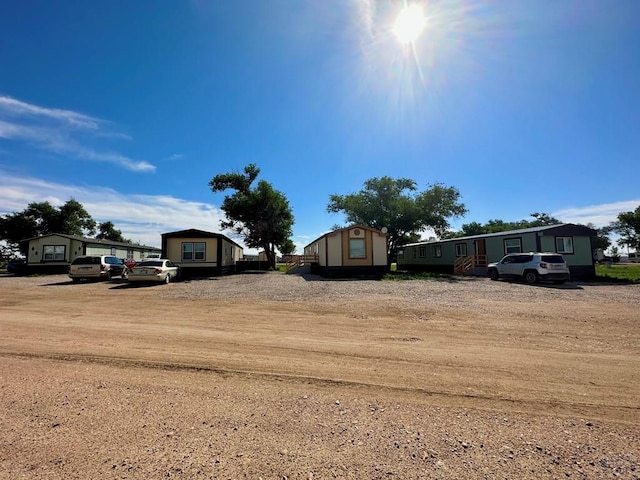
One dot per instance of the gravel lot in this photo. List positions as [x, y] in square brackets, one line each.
[278, 376]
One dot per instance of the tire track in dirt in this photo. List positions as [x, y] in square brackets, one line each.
[616, 413]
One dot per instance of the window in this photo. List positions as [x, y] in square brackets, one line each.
[437, 251]
[422, 252]
[524, 258]
[413, 252]
[54, 253]
[113, 251]
[401, 254]
[193, 251]
[564, 244]
[356, 248]
[512, 245]
[461, 249]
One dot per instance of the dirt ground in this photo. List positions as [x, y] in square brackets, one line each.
[283, 377]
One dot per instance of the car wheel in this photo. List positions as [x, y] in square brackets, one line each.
[167, 279]
[125, 274]
[531, 277]
[493, 274]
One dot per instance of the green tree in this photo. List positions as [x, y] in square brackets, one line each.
[73, 219]
[627, 226]
[108, 231]
[541, 220]
[601, 239]
[262, 215]
[15, 227]
[467, 230]
[41, 218]
[397, 205]
[288, 247]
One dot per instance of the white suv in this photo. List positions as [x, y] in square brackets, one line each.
[530, 267]
[97, 266]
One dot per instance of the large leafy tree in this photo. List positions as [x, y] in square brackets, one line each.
[397, 205]
[627, 226]
[260, 214]
[108, 231]
[41, 218]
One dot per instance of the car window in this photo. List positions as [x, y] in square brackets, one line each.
[86, 261]
[525, 258]
[508, 259]
[149, 263]
[552, 258]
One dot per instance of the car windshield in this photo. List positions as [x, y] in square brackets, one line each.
[149, 263]
[552, 258]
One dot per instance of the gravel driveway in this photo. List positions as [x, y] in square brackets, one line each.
[278, 376]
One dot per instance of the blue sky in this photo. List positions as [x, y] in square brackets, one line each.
[132, 107]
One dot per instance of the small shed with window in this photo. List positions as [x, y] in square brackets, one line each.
[200, 253]
[52, 253]
[349, 252]
[574, 242]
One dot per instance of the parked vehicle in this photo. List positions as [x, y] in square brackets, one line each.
[97, 267]
[156, 270]
[17, 266]
[634, 257]
[530, 267]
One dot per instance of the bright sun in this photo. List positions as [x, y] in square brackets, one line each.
[409, 24]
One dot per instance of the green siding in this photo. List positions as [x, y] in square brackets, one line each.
[582, 252]
[496, 250]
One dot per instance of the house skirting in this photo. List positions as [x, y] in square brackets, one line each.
[46, 269]
[376, 271]
[582, 272]
[192, 272]
[578, 272]
[248, 265]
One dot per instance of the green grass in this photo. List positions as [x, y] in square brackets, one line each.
[394, 275]
[620, 273]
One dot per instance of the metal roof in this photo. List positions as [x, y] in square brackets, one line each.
[95, 241]
[519, 231]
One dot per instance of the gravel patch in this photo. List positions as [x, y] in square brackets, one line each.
[470, 292]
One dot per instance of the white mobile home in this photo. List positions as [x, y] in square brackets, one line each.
[54, 252]
[201, 253]
[348, 252]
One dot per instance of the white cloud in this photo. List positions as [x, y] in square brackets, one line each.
[141, 218]
[62, 132]
[366, 12]
[14, 107]
[599, 215]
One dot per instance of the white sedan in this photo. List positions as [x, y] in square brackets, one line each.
[155, 270]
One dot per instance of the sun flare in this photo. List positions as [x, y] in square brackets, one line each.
[409, 24]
